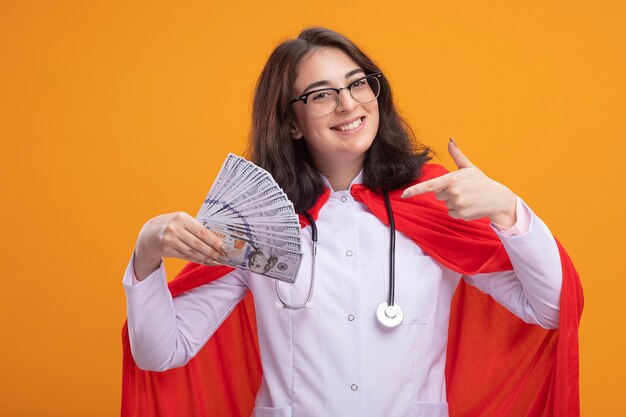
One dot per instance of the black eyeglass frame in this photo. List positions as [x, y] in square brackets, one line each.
[306, 95]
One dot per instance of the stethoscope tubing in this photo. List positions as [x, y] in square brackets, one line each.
[388, 313]
[392, 251]
[307, 304]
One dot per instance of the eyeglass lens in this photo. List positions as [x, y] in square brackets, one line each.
[363, 90]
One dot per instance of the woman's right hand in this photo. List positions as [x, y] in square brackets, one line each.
[177, 235]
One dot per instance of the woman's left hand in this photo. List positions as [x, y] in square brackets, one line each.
[468, 193]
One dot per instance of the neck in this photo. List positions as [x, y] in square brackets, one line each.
[339, 172]
[340, 179]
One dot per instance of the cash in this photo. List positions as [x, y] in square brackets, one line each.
[254, 218]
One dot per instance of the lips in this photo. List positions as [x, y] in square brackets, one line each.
[350, 125]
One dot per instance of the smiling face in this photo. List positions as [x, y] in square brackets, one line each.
[338, 140]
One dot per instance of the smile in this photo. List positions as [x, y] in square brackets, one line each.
[348, 127]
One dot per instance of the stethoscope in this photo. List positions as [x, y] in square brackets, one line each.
[388, 313]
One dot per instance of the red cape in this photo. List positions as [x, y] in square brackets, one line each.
[496, 365]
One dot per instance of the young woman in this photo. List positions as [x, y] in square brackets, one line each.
[392, 231]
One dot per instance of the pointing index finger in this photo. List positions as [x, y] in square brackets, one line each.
[435, 184]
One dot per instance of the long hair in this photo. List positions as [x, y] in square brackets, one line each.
[393, 160]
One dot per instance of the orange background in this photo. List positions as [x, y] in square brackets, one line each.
[112, 112]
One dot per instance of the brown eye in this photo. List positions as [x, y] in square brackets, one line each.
[321, 95]
[358, 83]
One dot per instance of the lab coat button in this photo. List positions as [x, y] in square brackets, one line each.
[351, 317]
[344, 199]
[349, 253]
[354, 387]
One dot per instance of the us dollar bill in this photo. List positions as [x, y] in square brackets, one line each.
[255, 219]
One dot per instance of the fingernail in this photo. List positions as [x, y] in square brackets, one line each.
[224, 250]
[453, 142]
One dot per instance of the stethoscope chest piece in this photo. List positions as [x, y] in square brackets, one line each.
[389, 316]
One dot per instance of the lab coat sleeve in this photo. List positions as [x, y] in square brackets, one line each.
[532, 290]
[166, 332]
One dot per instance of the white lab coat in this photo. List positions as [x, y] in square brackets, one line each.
[335, 359]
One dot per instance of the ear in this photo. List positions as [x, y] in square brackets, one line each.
[294, 131]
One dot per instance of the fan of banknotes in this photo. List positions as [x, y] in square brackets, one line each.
[255, 219]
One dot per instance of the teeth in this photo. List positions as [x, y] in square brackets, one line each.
[351, 126]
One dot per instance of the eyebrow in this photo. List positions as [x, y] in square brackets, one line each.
[326, 82]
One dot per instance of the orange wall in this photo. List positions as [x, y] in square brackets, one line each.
[112, 112]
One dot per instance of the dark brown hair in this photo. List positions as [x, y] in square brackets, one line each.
[393, 160]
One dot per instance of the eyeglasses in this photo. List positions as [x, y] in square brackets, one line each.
[326, 100]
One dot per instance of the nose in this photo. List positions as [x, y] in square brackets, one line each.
[345, 101]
